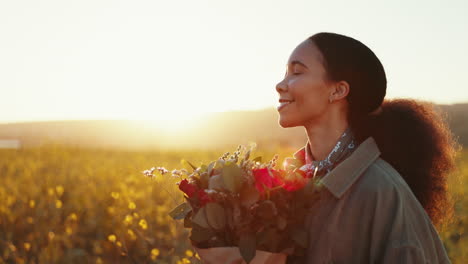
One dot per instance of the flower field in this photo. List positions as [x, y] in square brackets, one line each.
[63, 204]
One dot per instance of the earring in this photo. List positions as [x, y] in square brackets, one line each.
[330, 100]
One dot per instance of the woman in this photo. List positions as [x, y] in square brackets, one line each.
[384, 164]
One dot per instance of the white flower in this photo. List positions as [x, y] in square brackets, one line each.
[162, 170]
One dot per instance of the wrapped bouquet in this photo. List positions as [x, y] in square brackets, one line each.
[240, 209]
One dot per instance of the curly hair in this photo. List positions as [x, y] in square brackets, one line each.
[412, 136]
[425, 152]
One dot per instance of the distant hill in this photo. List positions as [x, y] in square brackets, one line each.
[98, 133]
[216, 131]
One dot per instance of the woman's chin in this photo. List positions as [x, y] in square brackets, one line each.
[285, 123]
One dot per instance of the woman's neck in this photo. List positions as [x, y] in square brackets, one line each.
[323, 136]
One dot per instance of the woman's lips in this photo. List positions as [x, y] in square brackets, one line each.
[284, 104]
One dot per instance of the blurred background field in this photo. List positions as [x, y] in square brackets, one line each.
[65, 204]
[62, 204]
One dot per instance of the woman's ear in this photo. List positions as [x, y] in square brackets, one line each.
[340, 91]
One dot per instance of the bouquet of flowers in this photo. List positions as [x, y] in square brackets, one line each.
[237, 204]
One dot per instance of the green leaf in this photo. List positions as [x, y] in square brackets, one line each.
[180, 211]
[258, 159]
[186, 162]
[281, 222]
[300, 237]
[188, 221]
[203, 168]
[247, 247]
[249, 196]
[200, 234]
[215, 215]
[269, 238]
[266, 209]
[232, 177]
[204, 178]
[200, 218]
[210, 168]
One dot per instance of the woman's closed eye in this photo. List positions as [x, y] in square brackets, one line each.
[296, 72]
[296, 69]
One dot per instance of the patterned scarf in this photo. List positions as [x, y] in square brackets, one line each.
[344, 147]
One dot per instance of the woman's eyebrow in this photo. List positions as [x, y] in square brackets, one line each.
[298, 62]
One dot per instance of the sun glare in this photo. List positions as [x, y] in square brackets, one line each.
[175, 122]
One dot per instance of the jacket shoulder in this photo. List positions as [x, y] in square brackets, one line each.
[380, 176]
[400, 222]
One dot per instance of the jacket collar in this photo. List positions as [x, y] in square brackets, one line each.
[340, 179]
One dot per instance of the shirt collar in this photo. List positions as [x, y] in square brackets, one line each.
[304, 154]
[340, 179]
[300, 154]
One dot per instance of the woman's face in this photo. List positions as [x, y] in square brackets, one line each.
[304, 91]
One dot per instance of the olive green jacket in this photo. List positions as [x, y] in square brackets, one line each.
[368, 214]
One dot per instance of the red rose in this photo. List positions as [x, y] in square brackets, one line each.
[192, 191]
[203, 197]
[264, 179]
[187, 188]
[295, 180]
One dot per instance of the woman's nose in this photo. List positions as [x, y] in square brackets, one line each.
[281, 87]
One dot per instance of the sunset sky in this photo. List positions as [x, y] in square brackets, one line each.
[176, 60]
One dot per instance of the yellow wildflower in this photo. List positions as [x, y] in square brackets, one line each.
[58, 204]
[189, 253]
[128, 220]
[32, 203]
[73, 217]
[112, 238]
[131, 205]
[27, 246]
[131, 234]
[183, 261]
[143, 224]
[154, 253]
[59, 189]
[115, 195]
